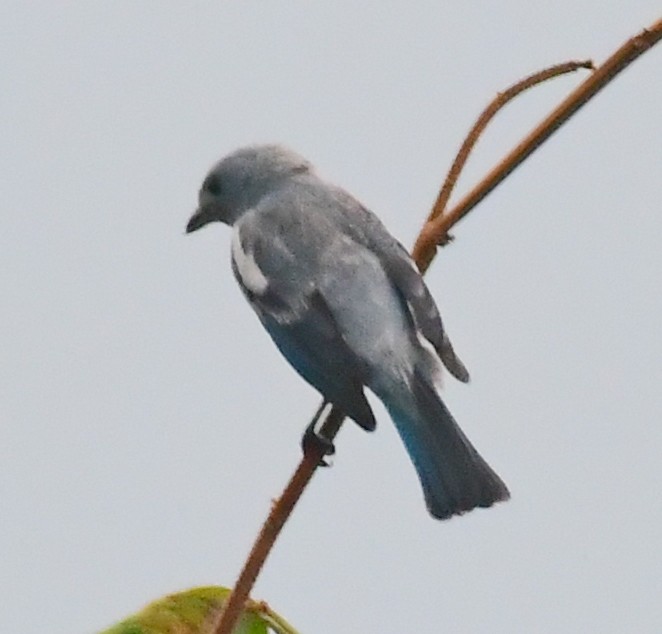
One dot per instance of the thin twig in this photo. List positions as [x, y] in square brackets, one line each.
[424, 252]
[486, 116]
[271, 528]
[435, 230]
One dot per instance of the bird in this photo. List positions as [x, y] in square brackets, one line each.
[347, 307]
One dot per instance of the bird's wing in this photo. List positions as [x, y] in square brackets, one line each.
[277, 279]
[402, 271]
[367, 229]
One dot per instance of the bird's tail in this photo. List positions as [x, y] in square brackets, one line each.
[454, 476]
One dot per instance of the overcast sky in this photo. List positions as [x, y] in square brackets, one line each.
[146, 418]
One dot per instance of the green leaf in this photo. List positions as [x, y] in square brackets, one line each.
[191, 611]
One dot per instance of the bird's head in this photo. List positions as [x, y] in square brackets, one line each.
[240, 180]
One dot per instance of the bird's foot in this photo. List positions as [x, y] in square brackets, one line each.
[313, 440]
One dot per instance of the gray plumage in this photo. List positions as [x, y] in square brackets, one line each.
[345, 304]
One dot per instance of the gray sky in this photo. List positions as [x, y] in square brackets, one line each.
[147, 420]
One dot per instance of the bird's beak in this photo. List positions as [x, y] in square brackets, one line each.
[200, 218]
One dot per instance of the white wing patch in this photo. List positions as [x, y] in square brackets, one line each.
[249, 272]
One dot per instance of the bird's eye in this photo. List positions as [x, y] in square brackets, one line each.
[212, 185]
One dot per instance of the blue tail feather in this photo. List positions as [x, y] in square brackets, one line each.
[454, 476]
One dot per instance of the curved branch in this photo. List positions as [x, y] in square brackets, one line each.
[486, 116]
[436, 230]
[424, 251]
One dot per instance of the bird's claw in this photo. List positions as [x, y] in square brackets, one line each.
[314, 441]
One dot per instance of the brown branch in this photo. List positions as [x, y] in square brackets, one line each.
[424, 251]
[483, 120]
[280, 511]
[271, 528]
[437, 229]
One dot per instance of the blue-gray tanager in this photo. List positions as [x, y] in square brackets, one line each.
[345, 304]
